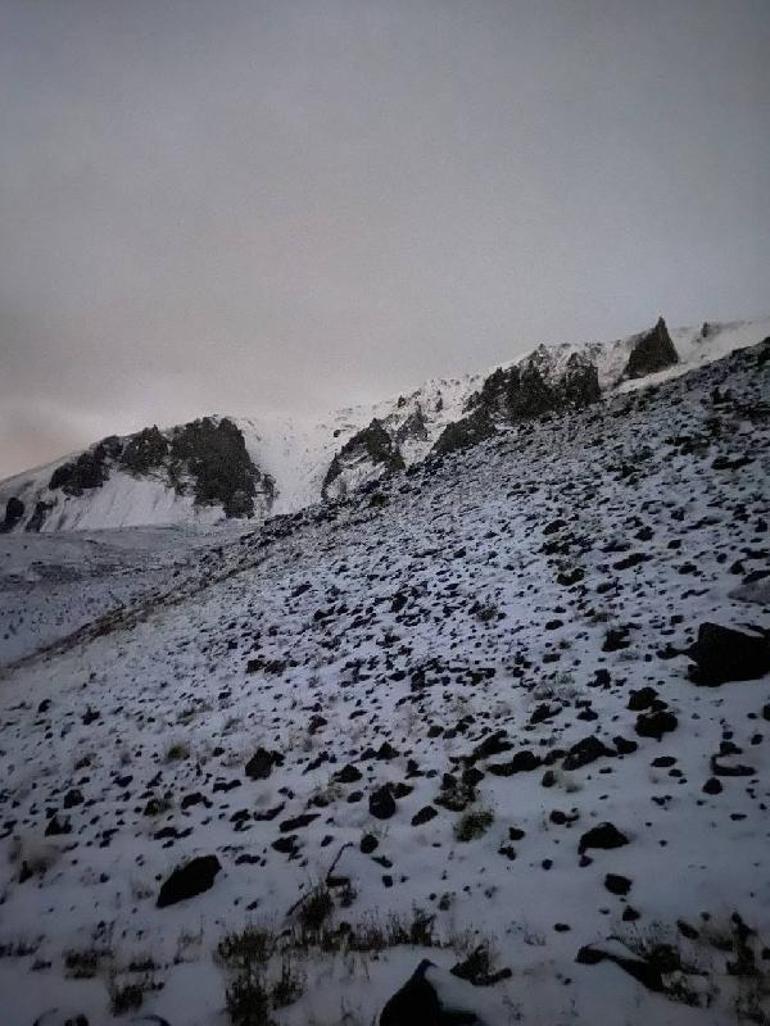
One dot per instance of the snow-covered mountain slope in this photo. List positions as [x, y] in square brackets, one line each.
[279, 465]
[450, 718]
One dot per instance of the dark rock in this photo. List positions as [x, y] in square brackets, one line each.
[417, 1004]
[605, 836]
[373, 444]
[260, 765]
[624, 746]
[656, 724]
[646, 973]
[584, 752]
[652, 351]
[297, 822]
[14, 511]
[722, 654]
[368, 844]
[58, 826]
[348, 774]
[189, 880]
[464, 433]
[493, 744]
[641, 699]
[424, 815]
[617, 884]
[382, 804]
[522, 762]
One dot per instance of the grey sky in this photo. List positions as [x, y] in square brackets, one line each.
[211, 205]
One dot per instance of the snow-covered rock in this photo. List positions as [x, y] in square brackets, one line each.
[273, 465]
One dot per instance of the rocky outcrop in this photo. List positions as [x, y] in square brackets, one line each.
[652, 351]
[464, 433]
[14, 511]
[214, 454]
[206, 459]
[144, 451]
[369, 454]
[36, 521]
[87, 471]
[523, 391]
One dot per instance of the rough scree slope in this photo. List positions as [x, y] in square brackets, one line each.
[496, 633]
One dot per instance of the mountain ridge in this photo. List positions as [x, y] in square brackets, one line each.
[221, 467]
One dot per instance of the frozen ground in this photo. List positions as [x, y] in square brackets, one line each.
[520, 596]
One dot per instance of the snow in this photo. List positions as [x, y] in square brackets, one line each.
[225, 640]
[297, 451]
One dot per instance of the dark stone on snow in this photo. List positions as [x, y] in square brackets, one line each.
[260, 765]
[648, 975]
[641, 699]
[425, 815]
[58, 826]
[297, 822]
[722, 654]
[604, 836]
[189, 880]
[417, 1004]
[656, 724]
[585, 752]
[382, 804]
[624, 746]
[617, 884]
[522, 762]
[493, 744]
[368, 844]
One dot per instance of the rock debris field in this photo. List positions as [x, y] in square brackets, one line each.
[507, 711]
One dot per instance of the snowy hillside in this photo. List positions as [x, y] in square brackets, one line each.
[457, 717]
[280, 465]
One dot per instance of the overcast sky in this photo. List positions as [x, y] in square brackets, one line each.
[213, 205]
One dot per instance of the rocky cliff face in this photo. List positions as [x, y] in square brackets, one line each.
[371, 448]
[201, 466]
[520, 392]
[652, 351]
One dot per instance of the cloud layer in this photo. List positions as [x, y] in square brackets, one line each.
[240, 207]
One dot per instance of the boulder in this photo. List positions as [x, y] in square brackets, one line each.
[723, 654]
[260, 765]
[604, 836]
[417, 1003]
[189, 880]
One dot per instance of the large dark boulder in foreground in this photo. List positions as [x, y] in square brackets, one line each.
[722, 654]
[418, 1004]
[652, 351]
[189, 880]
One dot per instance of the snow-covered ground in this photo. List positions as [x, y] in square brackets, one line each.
[522, 594]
